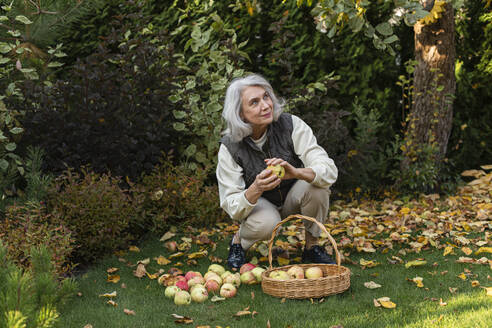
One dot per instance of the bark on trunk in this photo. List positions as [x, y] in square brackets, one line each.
[430, 118]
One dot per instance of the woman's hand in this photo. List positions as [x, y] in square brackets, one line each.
[264, 181]
[290, 171]
[306, 174]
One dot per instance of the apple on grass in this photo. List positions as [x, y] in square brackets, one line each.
[217, 268]
[199, 295]
[212, 286]
[246, 267]
[209, 275]
[279, 275]
[192, 274]
[234, 279]
[257, 272]
[248, 278]
[313, 272]
[170, 291]
[182, 297]
[182, 284]
[228, 290]
[196, 280]
[192, 288]
[296, 272]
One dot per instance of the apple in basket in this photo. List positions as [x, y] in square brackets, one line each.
[313, 272]
[296, 272]
[279, 275]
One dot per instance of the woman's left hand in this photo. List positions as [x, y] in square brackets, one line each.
[290, 171]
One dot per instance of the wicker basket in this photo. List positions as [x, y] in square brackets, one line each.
[335, 280]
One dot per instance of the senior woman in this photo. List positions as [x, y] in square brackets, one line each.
[258, 134]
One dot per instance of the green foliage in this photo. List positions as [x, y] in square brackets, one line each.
[28, 298]
[172, 195]
[112, 109]
[95, 209]
[28, 226]
[211, 65]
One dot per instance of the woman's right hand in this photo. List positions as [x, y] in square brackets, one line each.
[264, 181]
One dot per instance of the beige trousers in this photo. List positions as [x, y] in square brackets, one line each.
[303, 198]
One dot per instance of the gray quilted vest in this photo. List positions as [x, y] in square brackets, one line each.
[279, 144]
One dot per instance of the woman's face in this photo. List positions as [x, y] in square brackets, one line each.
[257, 108]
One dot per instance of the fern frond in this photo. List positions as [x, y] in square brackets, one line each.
[15, 319]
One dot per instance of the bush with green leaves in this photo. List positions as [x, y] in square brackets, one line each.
[176, 195]
[27, 226]
[112, 111]
[97, 211]
[29, 298]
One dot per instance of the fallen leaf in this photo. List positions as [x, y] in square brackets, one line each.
[217, 298]
[418, 281]
[441, 303]
[484, 250]
[242, 313]
[489, 291]
[88, 325]
[112, 270]
[462, 276]
[134, 249]
[475, 283]
[129, 312]
[140, 271]
[447, 250]
[371, 285]
[144, 261]
[387, 304]
[466, 250]
[167, 235]
[203, 253]
[113, 294]
[415, 263]
[152, 276]
[376, 303]
[113, 303]
[283, 261]
[161, 260]
[113, 278]
[178, 254]
[369, 264]
[452, 290]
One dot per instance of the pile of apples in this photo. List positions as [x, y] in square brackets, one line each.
[297, 272]
[193, 286]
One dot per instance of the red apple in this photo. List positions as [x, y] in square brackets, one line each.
[171, 246]
[210, 274]
[196, 280]
[313, 272]
[212, 286]
[296, 272]
[191, 274]
[228, 290]
[182, 284]
[246, 267]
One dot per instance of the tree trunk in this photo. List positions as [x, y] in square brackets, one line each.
[430, 119]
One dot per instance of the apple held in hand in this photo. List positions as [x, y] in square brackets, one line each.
[279, 275]
[199, 295]
[182, 297]
[296, 272]
[171, 291]
[228, 290]
[277, 170]
[313, 272]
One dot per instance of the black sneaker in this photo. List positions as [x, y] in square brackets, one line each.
[316, 254]
[236, 256]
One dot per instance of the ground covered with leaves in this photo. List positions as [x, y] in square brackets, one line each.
[421, 262]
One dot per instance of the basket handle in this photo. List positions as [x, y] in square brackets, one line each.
[298, 216]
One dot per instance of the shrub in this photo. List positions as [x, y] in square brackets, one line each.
[28, 298]
[24, 227]
[176, 195]
[95, 209]
[112, 109]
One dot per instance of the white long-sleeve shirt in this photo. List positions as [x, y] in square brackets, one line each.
[230, 175]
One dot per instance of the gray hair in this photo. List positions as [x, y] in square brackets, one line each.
[237, 129]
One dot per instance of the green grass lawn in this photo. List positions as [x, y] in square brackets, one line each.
[415, 307]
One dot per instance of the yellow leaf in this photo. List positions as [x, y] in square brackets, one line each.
[447, 250]
[475, 283]
[387, 304]
[404, 210]
[161, 260]
[167, 235]
[113, 294]
[466, 250]
[113, 303]
[129, 312]
[152, 276]
[113, 278]
[484, 250]
[489, 291]
[462, 276]
[198, 254]
[112, 270]
[134, 249]
[369, 264]
[415, 263]
[418, 281]
[371, 285]
[178, 254]
[283, 261]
